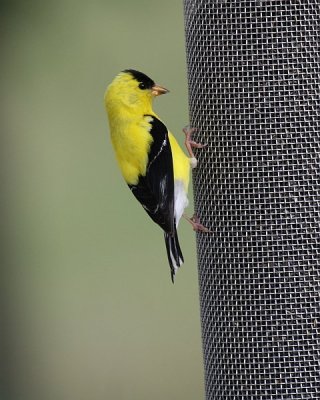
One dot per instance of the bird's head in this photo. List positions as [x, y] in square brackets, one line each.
[132, 91]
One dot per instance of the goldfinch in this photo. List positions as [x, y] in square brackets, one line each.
[151, 161]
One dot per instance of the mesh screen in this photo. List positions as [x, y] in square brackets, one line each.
[253, 69]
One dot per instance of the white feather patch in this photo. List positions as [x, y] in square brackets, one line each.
[180, 200]
[193, 162]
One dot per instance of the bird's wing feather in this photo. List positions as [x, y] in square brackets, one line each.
[155, 190]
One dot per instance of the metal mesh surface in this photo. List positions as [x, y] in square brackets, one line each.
[253, 69]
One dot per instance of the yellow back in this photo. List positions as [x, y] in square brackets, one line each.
[181, 163]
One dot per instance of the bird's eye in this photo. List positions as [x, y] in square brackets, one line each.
[142, 86]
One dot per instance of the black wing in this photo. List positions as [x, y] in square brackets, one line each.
[155, 190]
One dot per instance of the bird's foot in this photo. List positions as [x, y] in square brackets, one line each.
[189, 143]
[196, 224]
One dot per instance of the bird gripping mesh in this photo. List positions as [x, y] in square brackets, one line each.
[253, 71]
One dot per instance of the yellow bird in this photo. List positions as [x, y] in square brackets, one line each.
[151, 161]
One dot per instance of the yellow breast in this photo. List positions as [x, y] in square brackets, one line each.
[131, 141]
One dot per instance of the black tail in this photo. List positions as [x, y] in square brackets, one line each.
[175, 256]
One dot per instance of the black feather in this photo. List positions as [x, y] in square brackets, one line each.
[174, 252]
[155, 190]
[141, 78]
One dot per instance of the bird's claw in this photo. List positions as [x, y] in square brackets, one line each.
[197, 145]
[189, 143]
[196, 224]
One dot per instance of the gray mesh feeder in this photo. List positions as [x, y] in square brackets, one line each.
[253, 70]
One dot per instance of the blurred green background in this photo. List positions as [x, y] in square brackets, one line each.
[89, 311]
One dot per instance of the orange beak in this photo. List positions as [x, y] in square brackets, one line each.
[156, 90]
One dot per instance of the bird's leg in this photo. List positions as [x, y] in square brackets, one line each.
[196, 225]
[189, 143]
